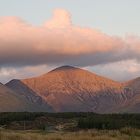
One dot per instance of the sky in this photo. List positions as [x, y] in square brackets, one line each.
[102, 36]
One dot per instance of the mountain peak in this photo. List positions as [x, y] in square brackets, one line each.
[65, 67]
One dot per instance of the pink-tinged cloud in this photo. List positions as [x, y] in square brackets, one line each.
[58, 41]
[60, 19]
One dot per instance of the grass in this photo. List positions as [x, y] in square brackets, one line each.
[123, 134]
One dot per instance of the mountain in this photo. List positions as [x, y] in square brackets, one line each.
[6, 96]
[133, 104]
[35, 101]
[71, 89]
[10, 101]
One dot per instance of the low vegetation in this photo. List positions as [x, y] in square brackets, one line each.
[69, 126]
[110, 121]
[82, 120]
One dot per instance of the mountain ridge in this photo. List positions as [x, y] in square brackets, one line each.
[71, 89]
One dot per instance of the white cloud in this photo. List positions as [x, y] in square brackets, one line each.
[58, 41]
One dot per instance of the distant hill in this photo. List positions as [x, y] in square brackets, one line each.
[12, 101]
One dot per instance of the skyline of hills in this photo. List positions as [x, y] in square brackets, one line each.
[71, 89]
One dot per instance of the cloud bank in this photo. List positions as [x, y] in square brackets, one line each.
[58, 41]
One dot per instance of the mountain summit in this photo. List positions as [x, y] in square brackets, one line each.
[65, 67]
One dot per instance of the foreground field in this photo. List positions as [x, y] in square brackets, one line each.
[123, 134]
[69, 126]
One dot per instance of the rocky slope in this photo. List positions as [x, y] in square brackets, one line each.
[19, 87]
[133, 104]
[72, 89]
[8, 99]
[11, 101]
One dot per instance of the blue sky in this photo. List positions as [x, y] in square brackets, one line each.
[115, 17]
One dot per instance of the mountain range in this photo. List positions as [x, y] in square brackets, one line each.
[70, 89]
